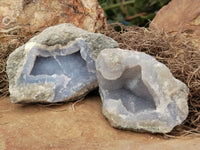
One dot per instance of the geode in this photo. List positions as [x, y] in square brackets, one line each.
[56, 65]
[139, 93]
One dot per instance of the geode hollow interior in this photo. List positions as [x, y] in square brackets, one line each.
[139, 93]
[67, 68]
[56, 65]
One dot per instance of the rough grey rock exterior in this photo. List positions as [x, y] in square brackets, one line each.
[140, 93]
[56, 65]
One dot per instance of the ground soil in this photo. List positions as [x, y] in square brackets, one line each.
[74, 126]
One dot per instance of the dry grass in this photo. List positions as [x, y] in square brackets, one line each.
[9, 41]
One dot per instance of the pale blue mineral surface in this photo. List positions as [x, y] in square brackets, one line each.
[139, 93]
[70, 69]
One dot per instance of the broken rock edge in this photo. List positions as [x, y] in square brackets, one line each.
[48, 85]
[154, 130]
[19, 52]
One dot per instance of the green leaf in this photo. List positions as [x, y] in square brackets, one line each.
[119, 17]
[139, 5]
[163, 2]
[141, 11]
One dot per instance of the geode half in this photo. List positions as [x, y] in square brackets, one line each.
[140, 93]
[56, 65]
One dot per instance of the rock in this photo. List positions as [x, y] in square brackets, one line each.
[56, 65]
[180, 16]
[34, 15]
[139, 93]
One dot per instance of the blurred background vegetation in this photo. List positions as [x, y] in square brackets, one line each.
[131, 12]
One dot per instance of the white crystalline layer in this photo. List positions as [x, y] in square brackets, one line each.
[140, 93]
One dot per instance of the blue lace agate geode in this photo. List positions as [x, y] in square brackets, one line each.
[140, 93]
[56, 65]
[69, 69]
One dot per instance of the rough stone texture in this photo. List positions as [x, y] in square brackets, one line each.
[139, 93]
[34, 15]
[35, 127]
[181, 16]
[56, 65]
